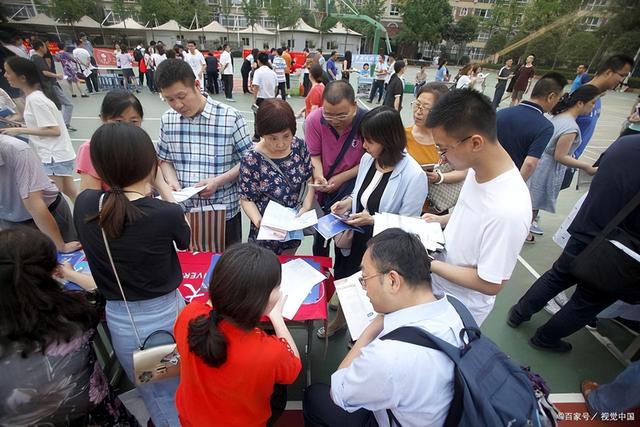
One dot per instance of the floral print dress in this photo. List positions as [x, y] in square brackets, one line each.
[69, 66]
[260, 182]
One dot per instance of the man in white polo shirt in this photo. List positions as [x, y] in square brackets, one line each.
[196, 61]
[226, 70]
[263, 85]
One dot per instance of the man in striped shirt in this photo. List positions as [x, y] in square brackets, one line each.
[279, 66]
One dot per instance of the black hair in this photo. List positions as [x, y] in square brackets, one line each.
[239, 290]
[37, 44]
[398, 65]
[275, 115]
[441, 62]
[171, 71]
[366, 64]
[279, 51]
[192, 41]
[395, 249]
[549, 83]
[462, 112]
[584, 93]
[615, 63]
[337, 91]
[117, 102]
[384, 125]
[316, 72]
[34, 309]
[27, 69]
[263, 59]
[122, 154]
[348, 57]
[225, 45]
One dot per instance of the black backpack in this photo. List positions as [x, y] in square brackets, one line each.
[137, 55]
[489, 388]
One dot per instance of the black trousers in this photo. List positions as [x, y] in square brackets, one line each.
[141, 77]
[282, 90]
[212, 82]
[233, 230]
[227, 79]
[288, 80]
[306, 83]
[320, 411]
[497, 95]
[256, 137]
[151, 84]
[245, 81]
[377, 86]
[92, 81]
[582, 307]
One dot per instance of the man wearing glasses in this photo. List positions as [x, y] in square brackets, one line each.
[414, 383]
[610, 74]
[334, 142]
[487, 229]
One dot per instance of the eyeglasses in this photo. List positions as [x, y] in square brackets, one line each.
[443, 151]
[418, 106]
[363, 280]
[623, 75]
[336, 117]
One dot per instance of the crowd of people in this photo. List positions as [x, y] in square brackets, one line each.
[482, 175]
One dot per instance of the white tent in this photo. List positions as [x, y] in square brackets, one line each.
[128, 24]
[212, 27]
[300, 35]
[40, 19]
[341, 29]
[342, 39]
[262, 37]
[86, 22]
[171, 25]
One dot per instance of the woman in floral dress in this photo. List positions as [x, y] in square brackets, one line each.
[70, 70]
[278, 168]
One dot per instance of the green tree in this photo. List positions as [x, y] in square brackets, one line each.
[462, 32]
[371, 8]
[284, 12]
[578, 48]
[424, 21]
[496, 42]
[157, 10]
[186, 10]
[328, 21]
[620, 31]
[224, 9]
[69, 11]
[251, 10]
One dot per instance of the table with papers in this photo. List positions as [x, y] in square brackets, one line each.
[306, 300]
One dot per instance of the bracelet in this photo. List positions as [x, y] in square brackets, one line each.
[441, 180]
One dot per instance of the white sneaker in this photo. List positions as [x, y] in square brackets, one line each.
[561, 299]
[552, 307]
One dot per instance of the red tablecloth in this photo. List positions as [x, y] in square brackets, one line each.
[196, 265]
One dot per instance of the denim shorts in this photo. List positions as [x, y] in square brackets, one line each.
[60, 168]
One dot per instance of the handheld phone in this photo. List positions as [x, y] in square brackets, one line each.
[429, 167]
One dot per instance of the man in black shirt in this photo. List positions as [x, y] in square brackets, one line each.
[615, 184]
[212, 73]
[503, 77]
[395, 88]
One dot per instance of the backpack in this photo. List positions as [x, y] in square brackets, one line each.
[137, 55]
[489, 388]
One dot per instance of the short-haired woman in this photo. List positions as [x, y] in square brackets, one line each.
[141, 233]
[277, 168]
[389, 180]
[229, 366]
[49, 371]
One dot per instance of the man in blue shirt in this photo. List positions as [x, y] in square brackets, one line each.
[523, 130]
[332, 69]
[609, 75]
[581, 78]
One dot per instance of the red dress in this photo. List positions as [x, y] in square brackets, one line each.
[238, 392]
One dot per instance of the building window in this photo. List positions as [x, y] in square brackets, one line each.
[332, 45]
[464, 11]
[267, 22]
[291, 43]
[213, 2]
[245, 41]
[592, 23]
[394, 10]
[483, 13]
[483, 36]
[310, 44]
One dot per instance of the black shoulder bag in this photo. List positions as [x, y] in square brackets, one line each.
[347, 188]
[605, 267]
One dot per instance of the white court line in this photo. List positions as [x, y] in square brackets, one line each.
[526, 265]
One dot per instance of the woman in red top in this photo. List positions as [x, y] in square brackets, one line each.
[228, 366]
[314, 99]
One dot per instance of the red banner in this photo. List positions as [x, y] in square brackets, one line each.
[104, 57]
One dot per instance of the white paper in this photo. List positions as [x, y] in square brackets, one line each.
[187, 193]
[430, 233]
[267, 233]
[86, 72]
[355, 304]
[282, 218]
[298, 278]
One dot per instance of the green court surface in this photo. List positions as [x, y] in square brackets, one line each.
[563, 372]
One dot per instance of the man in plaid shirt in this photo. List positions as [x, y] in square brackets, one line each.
[201, 143]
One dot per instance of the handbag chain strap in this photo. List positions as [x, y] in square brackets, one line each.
[115, 273]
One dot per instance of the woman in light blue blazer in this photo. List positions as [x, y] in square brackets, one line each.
[389, 180]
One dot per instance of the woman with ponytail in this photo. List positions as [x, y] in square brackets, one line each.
[48, 369]
[44, 124]
[229, 366]
[546, 181]
[141, 232]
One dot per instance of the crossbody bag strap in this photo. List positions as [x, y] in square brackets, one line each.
[624, 212]
[347, 142]
[303, 186]
[115, 273]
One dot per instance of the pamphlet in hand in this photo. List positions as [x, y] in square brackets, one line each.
[186, 193]
[277, 220]
[79, 262]
[430, 233]
[355, 304]
[331, 224]
[298, 279]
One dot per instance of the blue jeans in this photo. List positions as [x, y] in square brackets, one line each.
[620, 395]
[149, 316]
